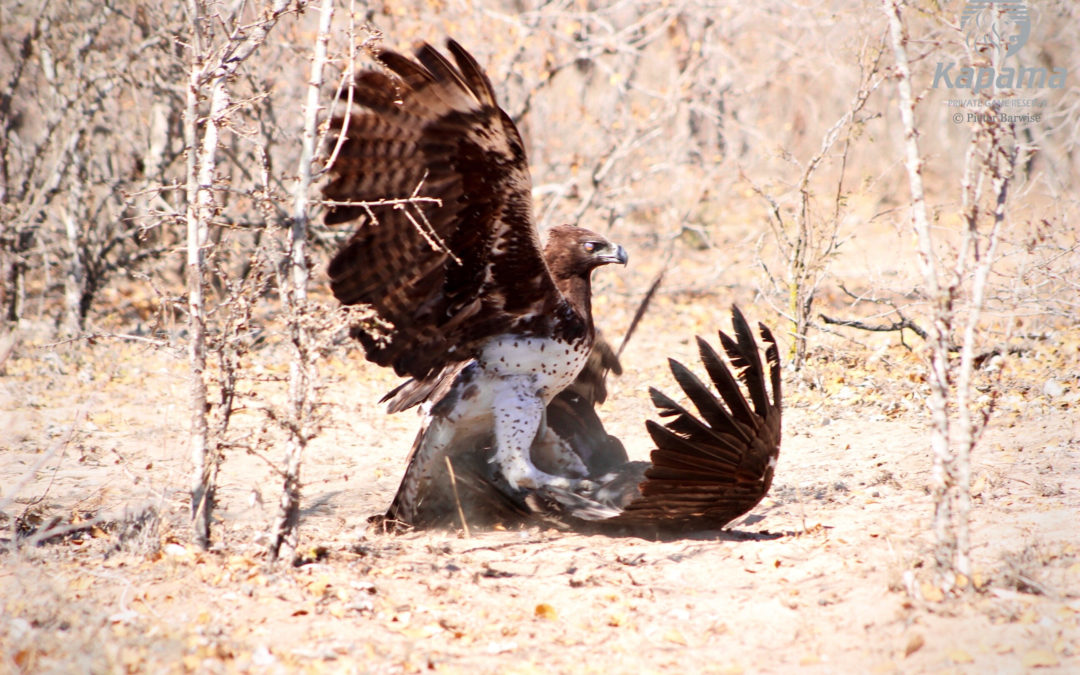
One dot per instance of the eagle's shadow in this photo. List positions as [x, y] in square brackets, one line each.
[661, 535]
[321, 505]
[729, 535]
[382, 524]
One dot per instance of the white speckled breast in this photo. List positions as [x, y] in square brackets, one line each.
[553, 363]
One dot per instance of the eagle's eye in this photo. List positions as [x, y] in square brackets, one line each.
[590, 246]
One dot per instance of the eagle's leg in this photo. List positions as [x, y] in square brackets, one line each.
[519, 412]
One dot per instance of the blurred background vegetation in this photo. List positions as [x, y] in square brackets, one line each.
[705, 134]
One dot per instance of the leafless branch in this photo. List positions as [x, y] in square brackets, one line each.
[877, 328]
[302, 369]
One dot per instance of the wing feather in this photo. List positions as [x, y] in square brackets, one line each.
[710, 470]
[473, 73]
[463, 263]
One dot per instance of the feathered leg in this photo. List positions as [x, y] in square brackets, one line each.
[519, 413]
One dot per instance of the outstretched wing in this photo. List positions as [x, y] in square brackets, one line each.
[714, 466]
[455, 257]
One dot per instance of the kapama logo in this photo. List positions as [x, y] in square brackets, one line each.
[1003, 25]
[999, 28]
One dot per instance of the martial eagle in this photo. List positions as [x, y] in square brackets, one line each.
[496, 334]
[463, 295]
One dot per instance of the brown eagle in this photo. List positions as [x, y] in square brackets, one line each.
[490, 326]
[496, 334]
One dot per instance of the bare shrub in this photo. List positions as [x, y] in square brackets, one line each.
[957, 294]
[809, 238]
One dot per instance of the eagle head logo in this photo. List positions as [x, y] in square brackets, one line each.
[1003, 25]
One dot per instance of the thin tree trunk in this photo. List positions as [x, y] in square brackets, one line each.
[1001, 162]
[204, 461]
[285, 539]
[942, 479]
[75, 276]
[200, 209]
[202, 489]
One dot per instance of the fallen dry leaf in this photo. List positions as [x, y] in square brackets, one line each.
[615, 620]
[319, 585]
[718, 628]
[25, 658]
[931, 593]
[960, 656]
[1040, 658]
[915, 643]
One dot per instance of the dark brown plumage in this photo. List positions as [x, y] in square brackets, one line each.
[447, 257]
[711, 467]
[462, 262]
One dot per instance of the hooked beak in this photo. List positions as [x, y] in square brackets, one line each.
[616, 254]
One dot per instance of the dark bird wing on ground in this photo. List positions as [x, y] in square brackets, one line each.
[710, 466]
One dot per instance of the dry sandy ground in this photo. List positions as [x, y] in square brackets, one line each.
[828, 574]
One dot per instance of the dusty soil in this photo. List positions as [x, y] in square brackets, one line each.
[831, 573]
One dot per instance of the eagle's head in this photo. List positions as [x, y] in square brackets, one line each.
[575, 252]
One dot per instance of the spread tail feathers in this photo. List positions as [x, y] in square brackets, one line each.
[712, 465]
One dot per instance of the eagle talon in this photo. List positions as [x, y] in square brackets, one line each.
[521, 479]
